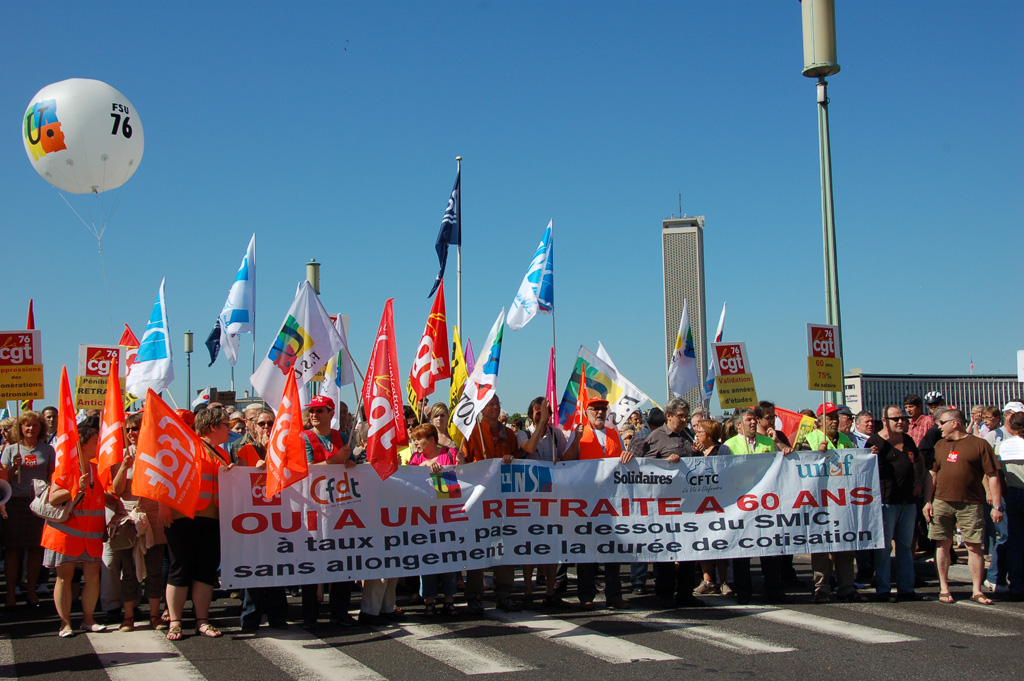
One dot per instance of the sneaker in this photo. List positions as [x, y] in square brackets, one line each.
[994, 588]
[726, 590]
[707, 588]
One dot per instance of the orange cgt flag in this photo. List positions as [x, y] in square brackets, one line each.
[382, 399]
[67, 468]
[111, 447]
[167, 458]
[431, 362]
[286, 451]
[579, 417]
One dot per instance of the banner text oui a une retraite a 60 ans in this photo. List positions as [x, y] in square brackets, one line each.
[345, 523]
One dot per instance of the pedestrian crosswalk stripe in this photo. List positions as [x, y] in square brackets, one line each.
[608, 648]
[467, 655]
[992, 609]
[141, 654]
[929, 619]
[831, 627]
[7, 653]
[305, 657]
[741, 644]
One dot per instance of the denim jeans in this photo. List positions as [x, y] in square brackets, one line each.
[898, 526]
[638, 574]
[447, 580]
[1014, 514]
[996, 547]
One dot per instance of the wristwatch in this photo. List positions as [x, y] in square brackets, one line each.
[997, 508]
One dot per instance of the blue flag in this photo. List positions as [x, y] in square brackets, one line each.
[450, 232]
[537, 292]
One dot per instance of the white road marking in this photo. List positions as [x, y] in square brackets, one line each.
[742, 644]
[141, 654]
[465, 654]
[305, 657]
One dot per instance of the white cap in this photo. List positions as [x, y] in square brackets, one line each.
[1016, 407]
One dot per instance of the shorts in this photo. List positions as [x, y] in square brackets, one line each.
[193, 545]
[946, 516]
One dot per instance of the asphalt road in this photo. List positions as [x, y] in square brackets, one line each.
[876, 641]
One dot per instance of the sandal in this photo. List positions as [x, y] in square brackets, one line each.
[208, 630]
[66, 632]
[157, 624]
[981, 599]
[946, 598]
[447, 609]
[128, 624]
[174, 632]
[429, 610]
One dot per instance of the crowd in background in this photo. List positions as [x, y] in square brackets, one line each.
[945, 489]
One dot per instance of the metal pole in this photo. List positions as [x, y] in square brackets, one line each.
[458, 250]
[832, 314]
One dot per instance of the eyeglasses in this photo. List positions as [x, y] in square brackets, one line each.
[597, 409]
[897, 418]
[264, 424]
[133, 429]
[942, 423]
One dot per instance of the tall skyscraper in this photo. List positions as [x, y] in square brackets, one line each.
[682, 257]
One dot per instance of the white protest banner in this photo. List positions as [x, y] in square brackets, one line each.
[346, 523]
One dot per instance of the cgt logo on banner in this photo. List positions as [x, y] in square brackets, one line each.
[258, 483]
[348, 524]
[21, 378]
[95, 362]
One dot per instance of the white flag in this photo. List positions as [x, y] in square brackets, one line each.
[239, 313]
[153, 367]
[709, 383]
[203, 397]
[682, 371]
[623, 397]
[229, 345]
[482, 384]
[305, 342]
[339, 370]
[536, 293]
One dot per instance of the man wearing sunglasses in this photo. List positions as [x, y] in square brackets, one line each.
[954, 496]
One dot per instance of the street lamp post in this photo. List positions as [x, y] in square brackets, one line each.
[313, 275]
[819, 34]
[188, 358]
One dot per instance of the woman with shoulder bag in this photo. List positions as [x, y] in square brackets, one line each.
[79, 540]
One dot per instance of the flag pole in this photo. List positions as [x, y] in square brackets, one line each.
[458, 247]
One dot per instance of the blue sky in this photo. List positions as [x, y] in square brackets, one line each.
[331, 129]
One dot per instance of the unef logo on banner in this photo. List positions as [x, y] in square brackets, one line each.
[735, 380]
[21, 367]
[824, 368]
[95, 362]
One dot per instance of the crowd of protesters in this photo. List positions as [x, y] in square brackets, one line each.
[943, 483]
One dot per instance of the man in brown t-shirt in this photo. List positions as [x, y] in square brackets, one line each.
[955, 495]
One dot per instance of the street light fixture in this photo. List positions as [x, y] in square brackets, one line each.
[313, 275]
[188, 357]
[819, 33]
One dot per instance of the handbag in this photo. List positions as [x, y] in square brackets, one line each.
[120, 532]
[42, 507]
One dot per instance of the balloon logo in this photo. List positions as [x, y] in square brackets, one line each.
[83, 136]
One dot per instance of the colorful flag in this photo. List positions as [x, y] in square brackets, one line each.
[470, 357]
[682, 370]
[382, 399]
[153, 368]
[537, 292]
[306, 341]
[239, 312]
[482, 384]
[167, 458]
[111, 448]
[431, 362]
[623, 397]
[549, 389]
[339, 370]
[203, 397]
[459, 375]
[709, 382]
[579, 414]
[131, 347]
[451, 230]
[67, 468]
[286, 451]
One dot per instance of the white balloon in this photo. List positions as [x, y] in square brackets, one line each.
[82, 136]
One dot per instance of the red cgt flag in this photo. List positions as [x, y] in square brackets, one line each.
[167, 458]
[111, 447]
[67, 468]
[131, 345]
[286, 452]
[382, 399]
[579, 417]
[431, 363]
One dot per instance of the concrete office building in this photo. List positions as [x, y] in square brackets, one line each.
[682, 256]
[874, 391]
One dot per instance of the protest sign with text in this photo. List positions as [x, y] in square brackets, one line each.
[824, 367]
[21, 365]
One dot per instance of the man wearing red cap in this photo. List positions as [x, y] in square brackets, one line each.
[594, 441]
[324, 445]
[841, 562]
